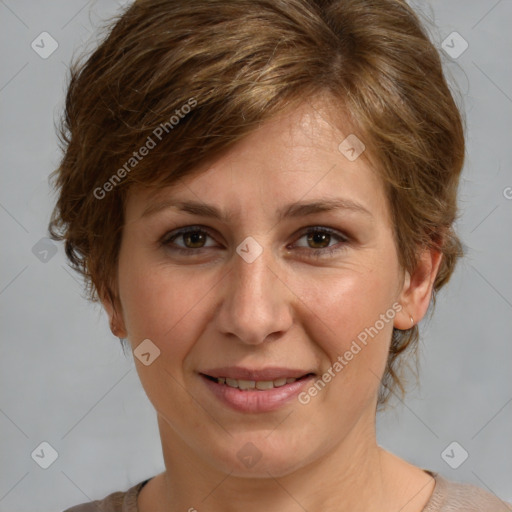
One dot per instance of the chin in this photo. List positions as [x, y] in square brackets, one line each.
[256, 456]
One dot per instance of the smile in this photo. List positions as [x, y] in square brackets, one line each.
[256, 395]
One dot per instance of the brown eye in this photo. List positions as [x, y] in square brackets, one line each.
[191, 239]
[194, 240]
[318, 240]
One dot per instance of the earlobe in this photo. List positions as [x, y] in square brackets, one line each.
[417, 289]
[113, 310]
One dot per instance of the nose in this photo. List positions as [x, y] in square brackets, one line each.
[256, 303]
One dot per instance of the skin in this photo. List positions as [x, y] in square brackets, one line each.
[287, 308]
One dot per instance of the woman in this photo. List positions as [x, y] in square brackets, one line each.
[261, 194]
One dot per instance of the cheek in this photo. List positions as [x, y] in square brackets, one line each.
[354, 311]
[158, 303]
[347, 304]
[165, 307]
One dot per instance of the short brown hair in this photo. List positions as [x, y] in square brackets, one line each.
[238, 63]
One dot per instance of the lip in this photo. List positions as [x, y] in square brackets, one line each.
[256, 401]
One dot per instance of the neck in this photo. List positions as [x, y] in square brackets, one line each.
[352, 476]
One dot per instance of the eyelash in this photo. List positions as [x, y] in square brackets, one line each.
[316, 253]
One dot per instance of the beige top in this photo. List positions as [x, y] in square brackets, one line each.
[448, 496]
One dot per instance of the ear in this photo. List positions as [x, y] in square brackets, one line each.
[114, 311]
[417, 289]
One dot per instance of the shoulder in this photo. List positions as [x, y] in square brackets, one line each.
[449, 496]
[120, 501]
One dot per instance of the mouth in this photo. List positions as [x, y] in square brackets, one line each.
[259, 385]
[255, 391]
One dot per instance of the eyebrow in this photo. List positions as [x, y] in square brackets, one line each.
[293, 210]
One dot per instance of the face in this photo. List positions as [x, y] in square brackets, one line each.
[297, 304]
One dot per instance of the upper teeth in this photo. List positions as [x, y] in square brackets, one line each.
[255, 384]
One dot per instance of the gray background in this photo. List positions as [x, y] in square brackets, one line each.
[64, 378]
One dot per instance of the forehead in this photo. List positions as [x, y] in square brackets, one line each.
[294, 156]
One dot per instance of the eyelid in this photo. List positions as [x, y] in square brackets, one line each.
[325, 251]
[176, 233]
[324, 229]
